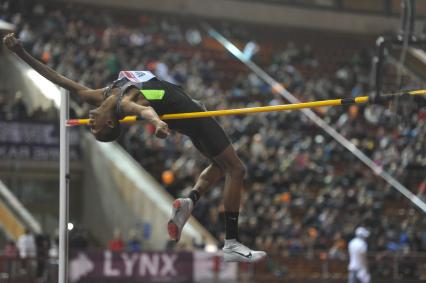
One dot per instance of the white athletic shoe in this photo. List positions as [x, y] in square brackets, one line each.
[182, 208]
[235, 251]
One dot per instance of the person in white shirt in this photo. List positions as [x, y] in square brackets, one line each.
[358, 265]
[26, 245]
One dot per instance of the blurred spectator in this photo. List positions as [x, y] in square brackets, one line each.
[26, 245]
[117, 243]
[43, 246]
[78, 239]
[51, 113]
[421, 191]
[10, 253]
[10, 250]
[18, 109]
[26, 36]
[27, 250]
[3, 108]
[337, 251]
[134, 244]
[54, 248]
[358, 265]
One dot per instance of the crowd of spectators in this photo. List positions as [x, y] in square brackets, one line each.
[15, 109]
[303, 190]
[29, 255]
[119, 244]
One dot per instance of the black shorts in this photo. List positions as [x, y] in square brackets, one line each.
[205, 133]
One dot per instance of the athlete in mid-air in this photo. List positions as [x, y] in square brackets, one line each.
[141, 93]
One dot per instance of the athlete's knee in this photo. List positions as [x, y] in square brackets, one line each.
[211, 170]
[230, 164]
[236, 170]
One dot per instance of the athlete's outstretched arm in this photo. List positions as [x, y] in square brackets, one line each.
[89, 95]
[131, 108]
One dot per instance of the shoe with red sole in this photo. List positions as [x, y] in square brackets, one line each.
[182, 208]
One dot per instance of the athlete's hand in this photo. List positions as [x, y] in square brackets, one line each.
[12, 43]
[161, 129]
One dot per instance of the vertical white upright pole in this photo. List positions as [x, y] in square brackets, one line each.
[63, 187]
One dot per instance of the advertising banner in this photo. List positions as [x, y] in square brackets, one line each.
[126, 267]
[34, 141]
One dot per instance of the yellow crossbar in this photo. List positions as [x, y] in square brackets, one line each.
[251, 110]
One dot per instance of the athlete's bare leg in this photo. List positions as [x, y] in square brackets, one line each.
[234, 171]
[226, 163]
[208, 178]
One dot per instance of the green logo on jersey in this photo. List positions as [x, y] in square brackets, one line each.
[153, 94]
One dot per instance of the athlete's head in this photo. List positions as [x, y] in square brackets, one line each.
[104, 124]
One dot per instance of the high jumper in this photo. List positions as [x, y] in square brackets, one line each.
[142, 94]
